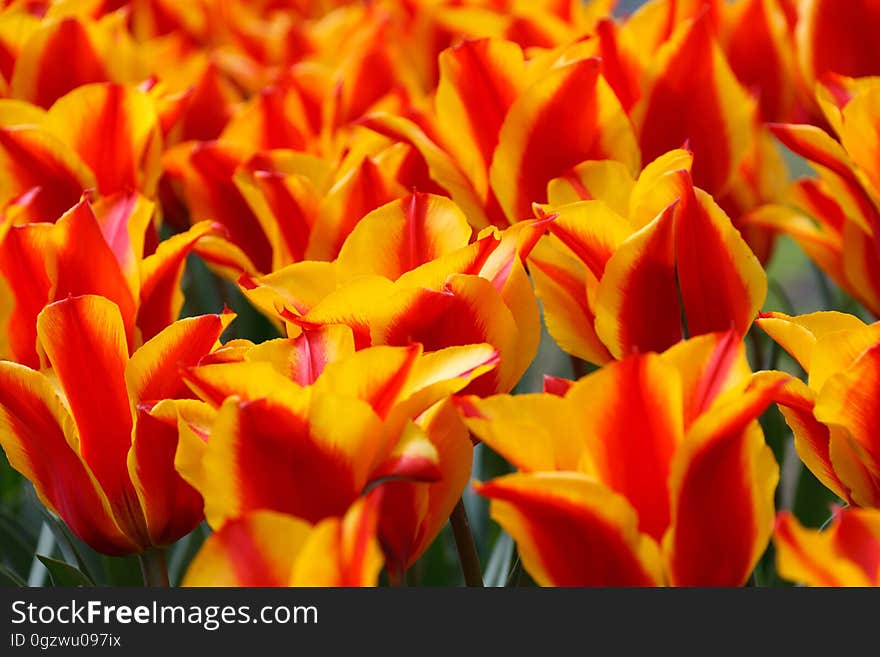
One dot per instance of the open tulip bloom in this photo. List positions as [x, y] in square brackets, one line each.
[524, 292]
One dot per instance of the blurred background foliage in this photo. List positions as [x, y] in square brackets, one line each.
[37, 549]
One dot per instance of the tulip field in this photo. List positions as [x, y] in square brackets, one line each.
[502, 293]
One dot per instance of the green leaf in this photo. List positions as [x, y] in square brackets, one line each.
[65, 540]
[9, 579]
[63, 574]
[18, 543]
[498, 568]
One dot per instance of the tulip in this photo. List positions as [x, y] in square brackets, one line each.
[265, 548]
[652, 470]
[834, 37]
[304, 426]
[834, 416]
[409, 273]
[674, 55]
[835, 218]
[82, 431]
[93, 249]
[500, 145]
[846, 553]
[629, 270]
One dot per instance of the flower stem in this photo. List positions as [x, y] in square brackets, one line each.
[153, 568]
[464, 543]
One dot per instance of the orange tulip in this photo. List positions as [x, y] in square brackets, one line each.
[694, 508]
[846, 553]
[93, 249]
[834, 417]
[265, 548]
[306, 425]
[409, 273]
[835, 219]
[83, 432]
[641, 262]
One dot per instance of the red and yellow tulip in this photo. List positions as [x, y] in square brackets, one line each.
[265, 548]
[641, 263]
[409, 273]
[93, 249]
[846, 553]
[834, 417]
[835, 218]
[306, 425]
[695, 508]
[82, 430]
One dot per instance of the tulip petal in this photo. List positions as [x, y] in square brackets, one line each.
[861, 263]
[708, 365]
[637, 300]
[831, 557]
[441, 167]
[216, 382]
[691, 96]
[304, 358]
[531, 431]
[161, 272]
[402, 235]
[38, 164]
[564, 286]
[361, 189]
[479, 81]
[414, 457]
[342, 552]
[376, 375]
[592, 231]
[571, 531]
[124, 219]
[626, 408]
[257, 549]
[306, 458]
[661, 183]
[760, 53]
[837, 38]
[81, 262]
[838, 351]
[205, 172]
[22, 265]
[84, 341]
[40, 441]
[847, 400]
[836, 168]
[115, 130]
[38, 78]
[722, 283]
[295, 288]
[543, 136]
[154, 371]
[722, 485]
[414, 513]
[798, 335]
[812, 439]
[172, 508]
[468, 311]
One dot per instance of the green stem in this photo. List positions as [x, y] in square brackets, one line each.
[153, 568]
[464, 543]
